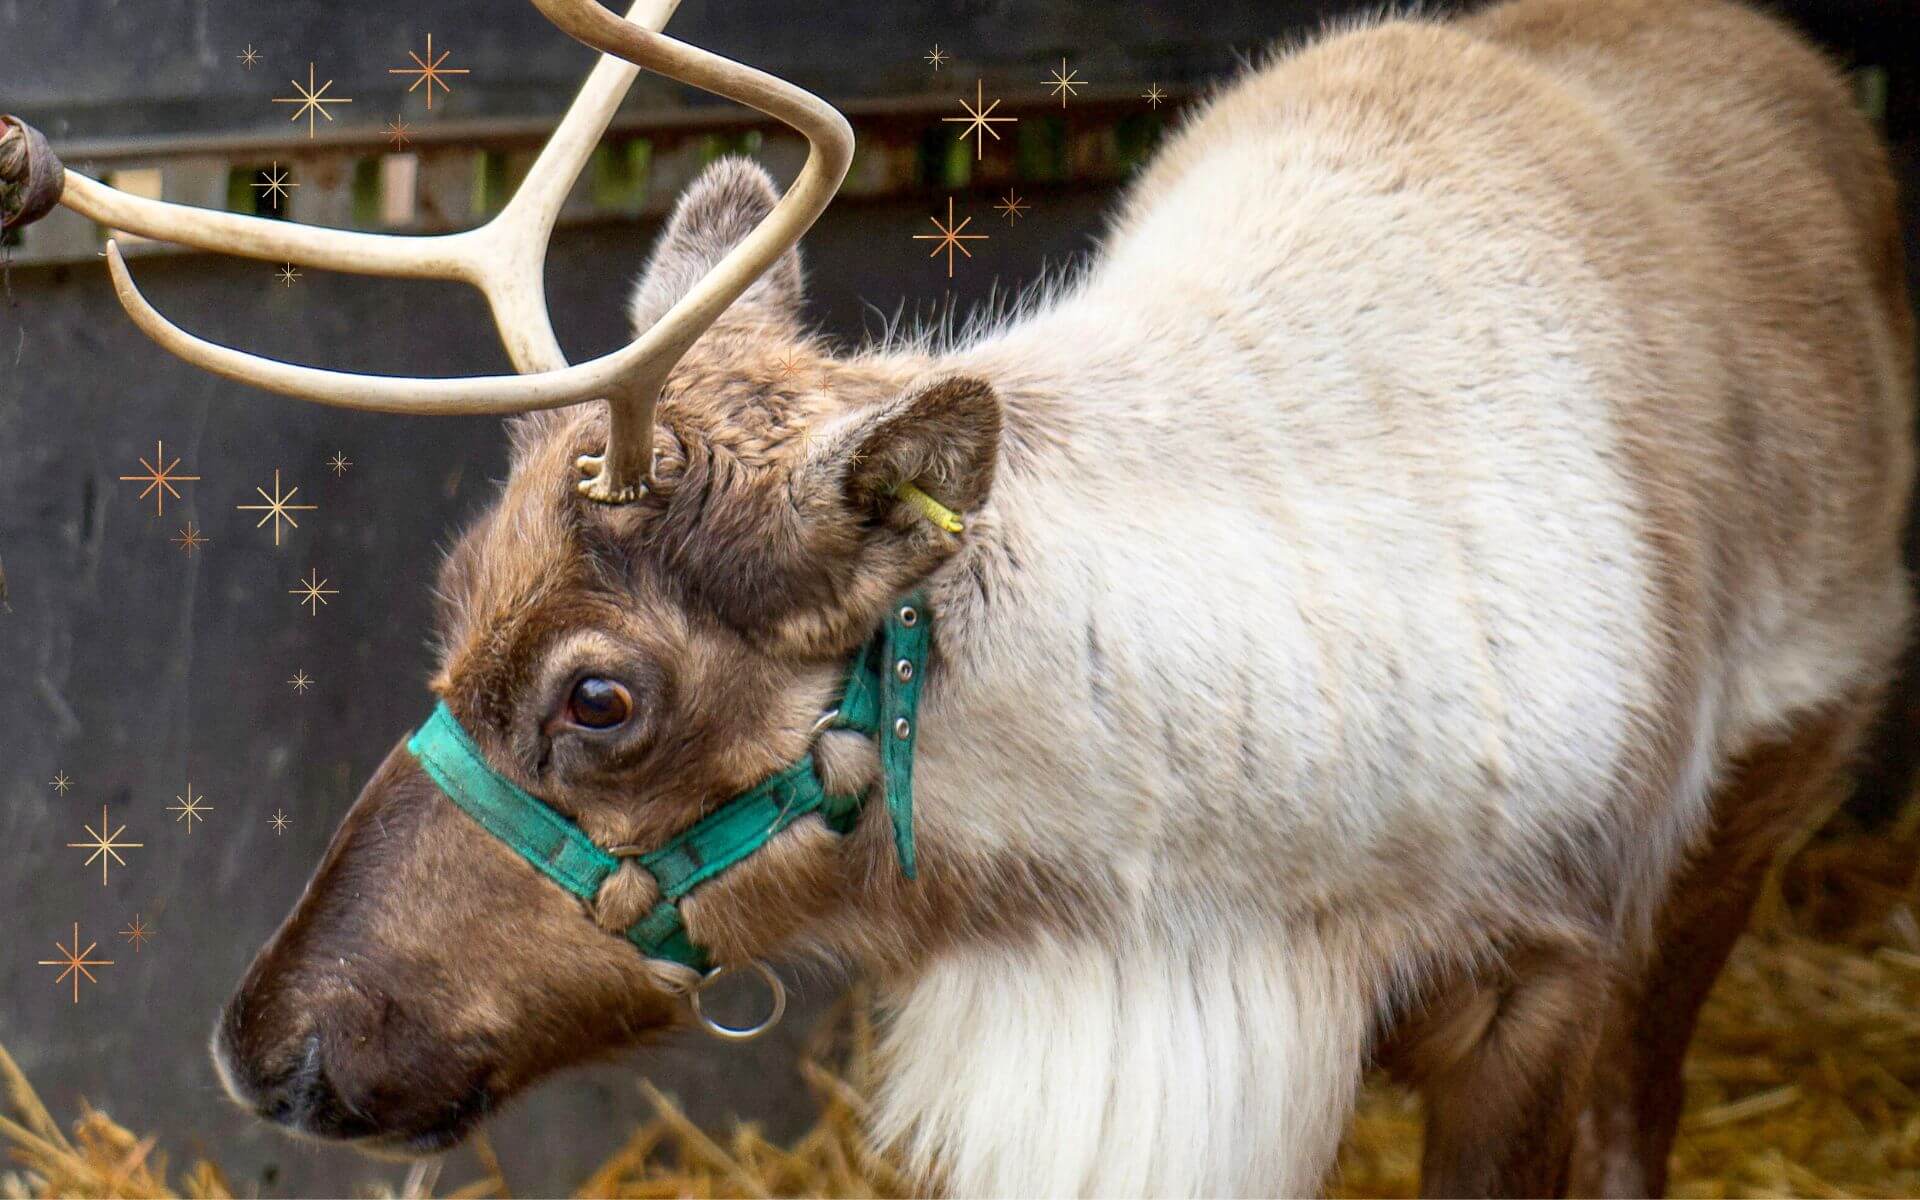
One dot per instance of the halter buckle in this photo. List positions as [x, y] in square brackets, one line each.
[732, 1033]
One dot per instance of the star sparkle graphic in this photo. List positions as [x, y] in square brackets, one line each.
[278, 507]
[279, 822]
[313, 591]
[76, 962]
[189, 808]
[979, 119]
[312, 100]
[339, 462]
[936, 57]
[190, 540]
[300, 682]
[106, 846]
[288, 274]
[160, 479]
[60, 783]
[137, 932]
[399, 133]
[1012, 207]
[429, 71]
[1065, 83]
[1153, 96]
[950, 238]
[248, 57]
[274, 185]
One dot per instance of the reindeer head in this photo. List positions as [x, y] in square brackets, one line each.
[633, 649]
[633, 666]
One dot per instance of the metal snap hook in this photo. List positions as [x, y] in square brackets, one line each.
[733, 1033]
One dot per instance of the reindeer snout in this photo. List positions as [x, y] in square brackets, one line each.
[293, 1090]
[346, 1072]
[391, 1009]
[274, 1061]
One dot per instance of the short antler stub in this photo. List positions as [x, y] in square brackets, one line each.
[622, 473]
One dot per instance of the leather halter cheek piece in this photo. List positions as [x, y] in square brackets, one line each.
[880, 698]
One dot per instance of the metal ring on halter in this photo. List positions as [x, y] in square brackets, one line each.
[421, 1176]
[826, 718]
[741, 1034]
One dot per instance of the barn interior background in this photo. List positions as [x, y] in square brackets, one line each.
[140, 668]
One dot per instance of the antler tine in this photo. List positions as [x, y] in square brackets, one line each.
[506, 265]
[496, 394]
[258, 237]
[511, 250]
[621, 473]
[253, 237]
[504, 259]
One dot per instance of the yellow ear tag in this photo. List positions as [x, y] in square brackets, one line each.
[931, 509]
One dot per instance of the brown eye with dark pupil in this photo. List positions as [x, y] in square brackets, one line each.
[599, 704]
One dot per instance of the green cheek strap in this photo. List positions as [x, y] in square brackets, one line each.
[881, 699]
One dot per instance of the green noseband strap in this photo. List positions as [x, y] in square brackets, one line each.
[881, 698]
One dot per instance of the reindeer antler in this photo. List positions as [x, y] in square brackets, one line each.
[505, 258]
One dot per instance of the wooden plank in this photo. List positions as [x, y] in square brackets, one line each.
[171, 67]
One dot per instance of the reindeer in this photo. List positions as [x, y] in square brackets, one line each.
[1388, 606]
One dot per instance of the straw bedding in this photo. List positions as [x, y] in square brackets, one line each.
[1804, 1079]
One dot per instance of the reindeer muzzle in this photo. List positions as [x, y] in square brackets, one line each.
[881, 698]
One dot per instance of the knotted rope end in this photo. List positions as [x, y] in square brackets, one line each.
[31, 175]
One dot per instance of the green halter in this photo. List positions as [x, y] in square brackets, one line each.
[881, 698]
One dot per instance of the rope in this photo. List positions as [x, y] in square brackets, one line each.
[31, 176]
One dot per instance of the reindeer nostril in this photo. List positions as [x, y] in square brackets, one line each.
[304, 1098]
[308, 1083]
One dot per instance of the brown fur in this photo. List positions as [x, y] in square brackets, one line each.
[1775, 792]
[770, 543]
[1767, 212]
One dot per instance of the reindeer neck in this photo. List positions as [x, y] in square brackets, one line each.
[1079, 946]
[1028, 812]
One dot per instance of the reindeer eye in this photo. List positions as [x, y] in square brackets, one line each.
[599, 703]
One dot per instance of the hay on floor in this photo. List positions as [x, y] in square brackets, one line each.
[1803, 1080]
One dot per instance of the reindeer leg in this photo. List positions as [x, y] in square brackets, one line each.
[1504, 1067]
[1628, 1130]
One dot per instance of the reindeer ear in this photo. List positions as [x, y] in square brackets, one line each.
[722, 207]
[856, 545]
[811, 551]
[942, 437]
